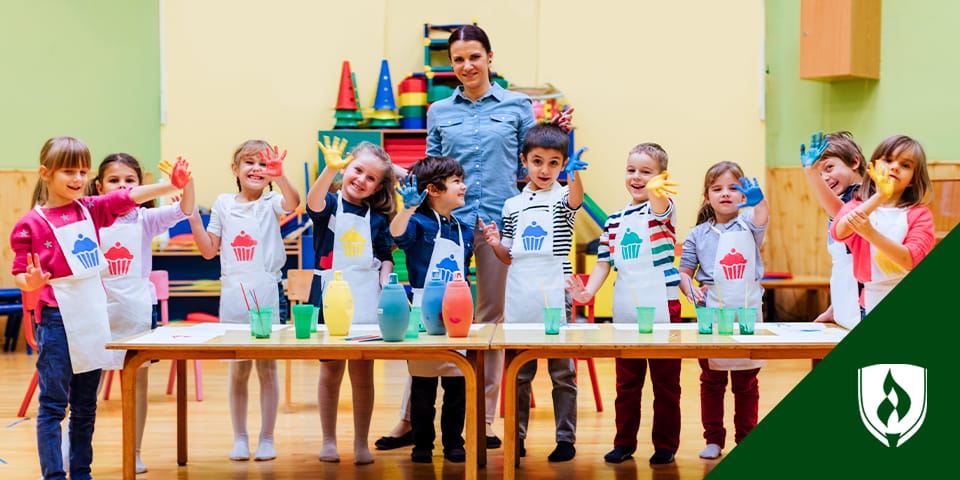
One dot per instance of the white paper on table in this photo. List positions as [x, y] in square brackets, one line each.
[823, 335]
[363, 329]
[579, 326]
[522, 326]
[181, 335]
[477, 326]
[656, 326]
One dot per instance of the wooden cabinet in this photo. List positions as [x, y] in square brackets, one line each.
[840, 39]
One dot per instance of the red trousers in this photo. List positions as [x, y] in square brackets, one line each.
[746, 399]
[665, 375]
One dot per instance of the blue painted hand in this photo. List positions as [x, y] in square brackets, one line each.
[408, 190]
[751, 192]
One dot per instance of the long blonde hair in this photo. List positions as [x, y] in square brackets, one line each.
[57, 153]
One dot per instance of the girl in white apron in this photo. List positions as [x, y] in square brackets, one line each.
[834, 168]
[127, 247]
[895, 188]
[724, 251]
[247, 227]
[352, 236]
[55, 249]
[441, 185]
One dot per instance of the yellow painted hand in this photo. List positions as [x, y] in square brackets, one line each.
[660, 187]
[881, 176]
[333, 152]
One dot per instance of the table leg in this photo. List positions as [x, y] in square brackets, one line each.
[182, 412]
[476, 358]
[511, 431]
[128, 387]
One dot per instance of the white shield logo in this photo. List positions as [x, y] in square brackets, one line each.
[893, 401]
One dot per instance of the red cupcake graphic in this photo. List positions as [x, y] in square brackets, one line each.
[733, 265]
[243, 247]
[118, 259]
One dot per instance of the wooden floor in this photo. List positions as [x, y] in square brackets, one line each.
[298, 431]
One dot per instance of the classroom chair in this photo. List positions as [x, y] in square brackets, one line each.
[298, 292]
[588, 308]
[31, 318]
[161, 283]
[192, 317]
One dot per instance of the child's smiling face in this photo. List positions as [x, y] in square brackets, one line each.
[640, 169]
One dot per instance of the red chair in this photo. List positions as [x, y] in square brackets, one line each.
[31, 317]
[160, 281]
[589, 311]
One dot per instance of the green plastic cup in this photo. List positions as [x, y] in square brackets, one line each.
[261, 322]
[302, 315]
[413, 328]
[645, 319]
[552, 316]
[725, 320]
[748, 320]
[705, 318]
[314, 319]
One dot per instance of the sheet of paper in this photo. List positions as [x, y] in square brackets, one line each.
[178, 335]
[656, 326]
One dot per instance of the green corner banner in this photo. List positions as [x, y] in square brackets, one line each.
[884, 403]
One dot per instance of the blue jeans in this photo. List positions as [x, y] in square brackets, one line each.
[58, 387]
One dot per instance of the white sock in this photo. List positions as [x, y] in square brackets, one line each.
[328, 400]
[269, 400]
[712, 451]
[237, 393]
[361, 382]
[141, 412]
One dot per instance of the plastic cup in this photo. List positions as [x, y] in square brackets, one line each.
[413, 328]
[748, 320]
[645, 319]
[261, 322]
[314, 319]
[552, 316]
[725, 321]
[302, 315]
[705, 318]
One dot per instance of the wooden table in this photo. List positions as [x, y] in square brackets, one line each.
[811, 283]
[528, 342]
[238, 344]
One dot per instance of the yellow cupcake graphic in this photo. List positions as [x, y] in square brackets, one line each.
[887, 265]
[353, 242]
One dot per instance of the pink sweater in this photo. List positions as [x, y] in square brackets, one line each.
[32, 234]
[919, 239]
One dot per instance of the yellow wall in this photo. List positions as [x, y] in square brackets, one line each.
[684, 74]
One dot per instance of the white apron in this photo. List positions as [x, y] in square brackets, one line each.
[129, 305]
[844, 293]
[535, 274]
[80, 297]
[242, 261]
[445, 254]
[353, 255]
[736, 282]
[638, 280]
[884, 272]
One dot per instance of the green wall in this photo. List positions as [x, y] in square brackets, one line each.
[917, 94]
[85, 68]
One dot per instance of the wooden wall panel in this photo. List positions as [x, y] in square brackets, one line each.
[16, 191]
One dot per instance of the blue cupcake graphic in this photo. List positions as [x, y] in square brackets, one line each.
[533, 237]
[447, 267]
[86, 251]
[630, 245]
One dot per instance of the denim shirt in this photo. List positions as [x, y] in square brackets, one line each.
[486, 137]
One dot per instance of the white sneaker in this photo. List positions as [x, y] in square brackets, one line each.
[712, 451]
[140, 468]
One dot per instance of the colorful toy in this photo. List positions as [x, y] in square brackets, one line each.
[384, 109]
[347, 111]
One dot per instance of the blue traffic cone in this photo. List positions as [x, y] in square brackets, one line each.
[384, 99]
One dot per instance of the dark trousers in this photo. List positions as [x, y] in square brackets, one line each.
[746, 401]
[423, 398]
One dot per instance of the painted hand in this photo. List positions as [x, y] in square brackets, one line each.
[333, 152]
[179, 172]
[751, 191]
[574, 163]
[660, 187]
[274, 161]
[408, 190]
[881, 176]
[817, 145]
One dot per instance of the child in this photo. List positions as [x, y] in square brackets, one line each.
[358, 214]
[892, 230]
[639, 242]
[434, 240]
[55, 249]
[127, 246]
[250, 222]
[542, 216]
[723, 235]
[834, 166]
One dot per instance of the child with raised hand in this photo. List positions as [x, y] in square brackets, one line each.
[725, 234]
[361, 209]
[127, 246]
[891, 231]
[250, 222]
[434, 240]
[834, 168]
[639, 243]
[537, 236]
[55, 249]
